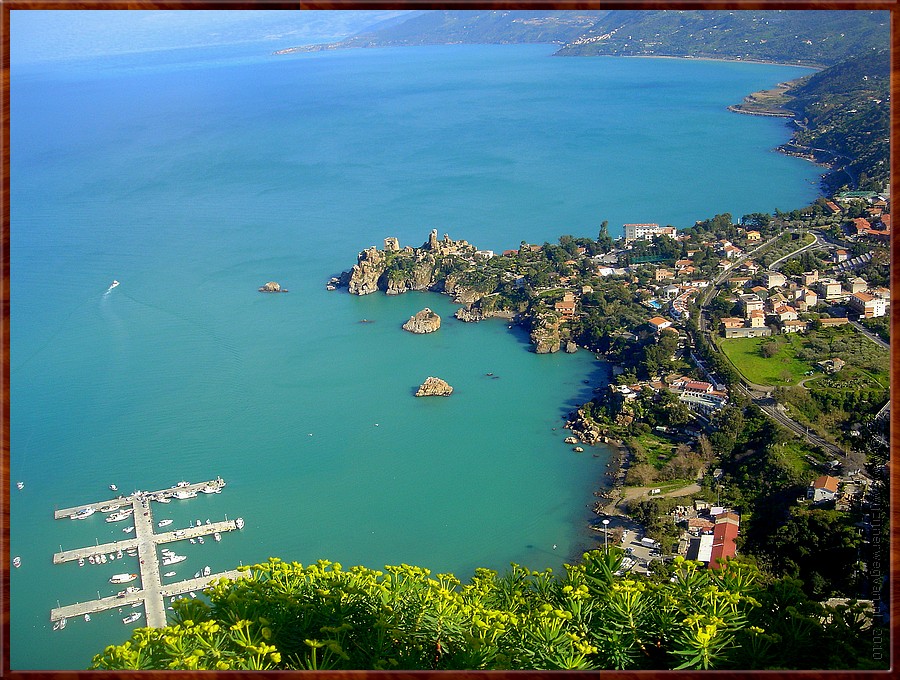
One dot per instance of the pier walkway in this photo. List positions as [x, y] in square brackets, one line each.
[152, 591]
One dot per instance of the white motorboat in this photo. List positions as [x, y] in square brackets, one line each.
[17, 561]
[209, 488]
[102, 559]
[198, 522]
[112, 556]
[217, 536]
[192, 594]
[200, 540]
[120, 515]
[113, 284]
[80, 561]
[91, 559]
[108, 508]
[182, 483]
[163, 499]
[164, 522]
[169, 574]
[132, 551]
[239, 522]
[173, 559]
[113, 487]
[184, 495]
[130, 590]
[20, 485]
[206, 570]
[131, 618]
[122, 578]
[128, 530]
[196, 574]
[84, 513]
[193, 540]
[59, 625]
[119, 554]
[166, 551]
[87, 617]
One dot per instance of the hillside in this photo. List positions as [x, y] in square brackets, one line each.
[799, 36]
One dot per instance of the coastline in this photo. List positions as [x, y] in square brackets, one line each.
[817, 67]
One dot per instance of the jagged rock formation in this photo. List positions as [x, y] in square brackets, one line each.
[545, 334]
[425, 321]
[396, 270]
[571, 347]
[272, 287]
[474, 312]
[434, 387]
[583, 427]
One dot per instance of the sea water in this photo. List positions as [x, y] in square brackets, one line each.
[195, 176]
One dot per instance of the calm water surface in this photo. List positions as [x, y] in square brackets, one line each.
[195, 176]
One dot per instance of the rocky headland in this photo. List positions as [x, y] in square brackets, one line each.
[434, 387]
[425, 321]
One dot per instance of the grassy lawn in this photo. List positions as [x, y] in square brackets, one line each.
[783, 368]
[658, 448]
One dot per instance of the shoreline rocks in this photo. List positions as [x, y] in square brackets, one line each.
[434, 387]
[425, 321]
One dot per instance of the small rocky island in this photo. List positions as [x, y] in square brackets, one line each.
[425, 321]
[272, 287]
[434, 387]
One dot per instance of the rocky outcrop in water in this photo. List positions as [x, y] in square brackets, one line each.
[425, 321]
[272, 287]
[434, 387]
[545, 334]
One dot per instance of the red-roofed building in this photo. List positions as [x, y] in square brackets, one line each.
[822, 488]
[867, 305]
[510, 253]
[861, 225]
[566, 306]
[657, 323]
[698, 387]
[835, 210]
[886, 222]
[725, 534]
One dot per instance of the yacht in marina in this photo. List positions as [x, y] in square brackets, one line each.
[84, 513]
[164, 523]
[120, 515]
[206, 570]
[128, 530]
[122, 578]
[130, 590]
[217, 536]
[173, 559]
[169, 573]
[239, 522]
[131, 618]
[59, 625]
[184, 495]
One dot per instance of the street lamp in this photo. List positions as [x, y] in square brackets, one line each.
[605, 525]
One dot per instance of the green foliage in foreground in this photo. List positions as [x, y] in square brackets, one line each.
[287, 616]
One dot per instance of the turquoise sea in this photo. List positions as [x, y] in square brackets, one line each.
[195, 176]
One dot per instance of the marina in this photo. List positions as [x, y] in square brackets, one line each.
[145, 543]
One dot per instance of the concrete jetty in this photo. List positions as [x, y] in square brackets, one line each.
[152, 591]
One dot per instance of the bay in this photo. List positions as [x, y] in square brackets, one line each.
[195, 176]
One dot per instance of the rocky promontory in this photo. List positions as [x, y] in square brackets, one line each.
[425, 321]
[434, 387]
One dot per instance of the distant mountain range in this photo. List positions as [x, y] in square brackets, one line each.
[808, 37]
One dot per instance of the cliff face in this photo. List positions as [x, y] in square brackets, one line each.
[545, 333]
[425, 321]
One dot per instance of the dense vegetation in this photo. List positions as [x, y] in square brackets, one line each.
[286, 616]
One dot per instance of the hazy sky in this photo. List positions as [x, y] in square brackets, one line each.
[37, 35]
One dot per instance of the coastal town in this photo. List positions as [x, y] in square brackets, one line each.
[676, 313]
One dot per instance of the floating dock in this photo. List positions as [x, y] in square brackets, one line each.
[152, 591]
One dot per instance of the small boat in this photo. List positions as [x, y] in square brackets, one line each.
[163, 499]
[17, 561]
[166, 551]
[164, 522]
[169, 574]
[173, 559]
[91, 559]
[112, 556]
[87, 617]
[192, 594]
[209, 488]
[130, 590]
[200, 540]
[122, 578]
[113, 487]
[59, 625]
[137, 604]
[198, 522]
[196, 574]
[102, 559]
[128, 530]
[20, 485]
[108, 508]
[239, 522]
[84, 513]
[206, 570]
[113, 284]
[193, 541]
[184, 495]
[80, 561]
[217, 536]
[131, 618]
[207, 521]
[182, 483]
[119, 554]
[132, 551]
[120, 515]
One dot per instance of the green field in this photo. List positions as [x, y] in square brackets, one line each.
[784, 368]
